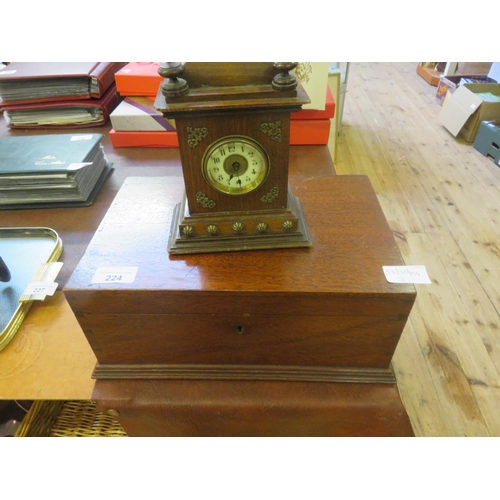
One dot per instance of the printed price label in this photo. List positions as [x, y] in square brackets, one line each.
[124, 274]
[38, 290]
[78, 166]
[407, 274]
[85, 137]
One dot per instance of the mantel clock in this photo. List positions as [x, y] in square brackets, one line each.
[233, 125]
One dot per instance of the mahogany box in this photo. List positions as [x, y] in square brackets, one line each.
[324, 313]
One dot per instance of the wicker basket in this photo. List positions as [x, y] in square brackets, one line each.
[68, 419]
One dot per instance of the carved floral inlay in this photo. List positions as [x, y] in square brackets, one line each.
[271, 196]
[203, 200]
[195, 135]
[273, 130]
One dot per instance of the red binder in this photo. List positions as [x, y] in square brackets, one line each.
[105, 104]
[35, 82]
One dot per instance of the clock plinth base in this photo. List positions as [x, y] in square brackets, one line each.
[224, 232]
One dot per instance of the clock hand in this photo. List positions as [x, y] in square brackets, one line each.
[236, 168]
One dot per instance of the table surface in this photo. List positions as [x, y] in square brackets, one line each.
[49, 358]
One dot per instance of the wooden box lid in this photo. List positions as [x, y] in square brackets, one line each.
[351, 243]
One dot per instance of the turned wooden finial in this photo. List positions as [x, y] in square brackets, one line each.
[284, 80]
[173, 86]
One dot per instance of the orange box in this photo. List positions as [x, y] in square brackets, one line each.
[146, 139]
[309, 132]
[140, 79]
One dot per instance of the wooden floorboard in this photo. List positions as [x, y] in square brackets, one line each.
[441, 198]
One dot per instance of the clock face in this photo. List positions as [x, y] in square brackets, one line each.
[235, 165]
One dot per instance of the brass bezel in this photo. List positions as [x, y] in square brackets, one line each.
[250, 187]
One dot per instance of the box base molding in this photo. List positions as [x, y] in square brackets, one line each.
[245, 372]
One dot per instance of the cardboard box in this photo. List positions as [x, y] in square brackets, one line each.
[138, 79]
[314, 78]
[430, 75]
[144, 139]
[139, 114]
[136, 123]
[465, 110]
[317, 114]
[309, 132]
[302, 133]
[141, 79]
[450, 83]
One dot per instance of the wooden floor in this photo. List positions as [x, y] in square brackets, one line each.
[441, 198]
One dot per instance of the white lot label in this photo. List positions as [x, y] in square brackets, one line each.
[87, 137]
[78, 166]
[124, 274]
[407, 274]
[38, 290]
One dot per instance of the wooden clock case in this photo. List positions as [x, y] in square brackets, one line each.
[234, 100]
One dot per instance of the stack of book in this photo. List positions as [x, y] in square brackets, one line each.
[488, 97]
[136, 123]
[59, 170]
[58, 95]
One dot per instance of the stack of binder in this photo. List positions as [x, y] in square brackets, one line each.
[55, 170]
[58, 95]
[136, 123]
